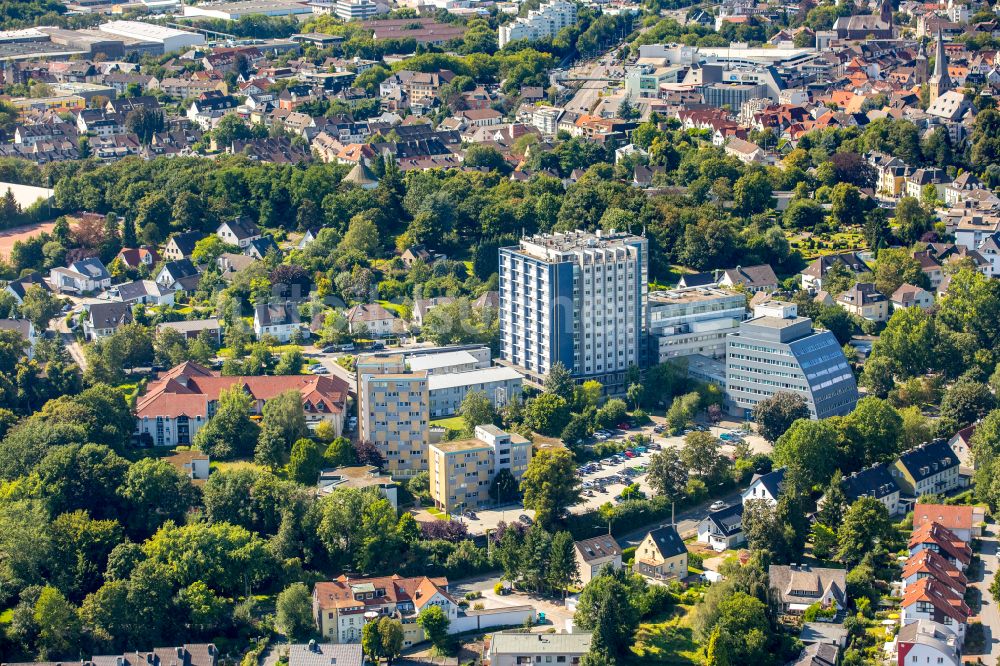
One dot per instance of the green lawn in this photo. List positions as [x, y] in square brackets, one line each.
[438, 513]
[670, 642]
[453, 423]
[395, 308]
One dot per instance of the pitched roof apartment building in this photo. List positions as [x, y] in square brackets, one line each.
[180, 402]
[340, 605]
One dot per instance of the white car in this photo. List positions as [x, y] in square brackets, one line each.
[718, 505]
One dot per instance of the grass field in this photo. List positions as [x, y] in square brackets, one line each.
[670, 642]
[452, 423]
[841, 241]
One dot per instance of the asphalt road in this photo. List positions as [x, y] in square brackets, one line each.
[989, 613]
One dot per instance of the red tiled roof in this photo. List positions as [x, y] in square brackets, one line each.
[930, 563]
[943, 538]
[187, 389]
[338, 593]
[938, 595]
[951, 517]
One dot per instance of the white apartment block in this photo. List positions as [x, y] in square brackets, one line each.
[462, 471]
[578, 298]
[542, 23]
[393, 412]
[693, 320]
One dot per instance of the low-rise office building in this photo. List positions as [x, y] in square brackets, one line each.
[462, 471]
[446, 391]
[695, 320]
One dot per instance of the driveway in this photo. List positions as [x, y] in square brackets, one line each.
[989, 613]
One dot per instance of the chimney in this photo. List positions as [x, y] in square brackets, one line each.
[180, 653]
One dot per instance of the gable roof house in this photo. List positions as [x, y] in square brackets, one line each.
[278, 320]
[180, 246]
[662, 555]
[865, 301]
[930, 468]
[259, 247]
[146, 292]
[931, 536]
[374, 319]
[929, 599]
[20, 286]
[594, 554]
[964, 521]
[723, 529]
[813, 274]
[103, 319]
[210, 108]
[339, 605]
[753, 278]
[180, 275]
[238, 232]
[81, 277]
[927, 642]
[181, 400]
[799, 586]
[877, 482]
[25, 329]
[929, 563]
[911, 296]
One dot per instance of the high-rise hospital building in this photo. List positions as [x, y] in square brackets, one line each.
[578, 298]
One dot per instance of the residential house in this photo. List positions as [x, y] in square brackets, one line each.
[921, 178]
[929, 563]
[193, 464]
[746, 151]
[19, 287]
[25, 329]
[752, 278]
[279, 321]
[813, 274]
[340, 605]
[80, 277]
[662, 555]
[192, 328]
[421, 306]
[175, 406]
[765, 487]
[238, 232]
[927, 642]
[146, 292]
[372, 319]
[928, 599]
[911, 296]
[180, 246]
[930, 468]
[799, 586]
[513, 648]
[865, 301]
[103, 319]
[818, 654]
[325, 654]
[941, 540]
[964, 521]
[141, 257]
[594, 554]
[232, 264]
[209, 109]
[961, 444]
[958, 189]
[259, 247]
[416, 253]
[877, 482]
[180, 275]
[930, 267]
[723, 529]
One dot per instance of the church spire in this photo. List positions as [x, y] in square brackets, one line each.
[939, 82]
[885, 12]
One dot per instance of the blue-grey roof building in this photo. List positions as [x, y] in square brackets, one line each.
[778, 351]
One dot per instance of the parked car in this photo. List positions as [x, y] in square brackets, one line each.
[525, 519]
[718, 505]
[471, 515]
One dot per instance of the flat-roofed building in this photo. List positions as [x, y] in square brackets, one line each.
[234, 11]
[446, 391]
[462, 471]
[695, 320]
[509, 649]
[778, 351]
[393, 411]
[575, 298]
[171, 38]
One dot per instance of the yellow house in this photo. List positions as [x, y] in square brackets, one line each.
[865, 301]
[462, 471]
[662, 555]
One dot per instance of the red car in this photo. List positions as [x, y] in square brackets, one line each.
[629, 454]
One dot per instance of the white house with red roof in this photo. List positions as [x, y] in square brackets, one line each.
[929, 599]
[965, 522]
[181, 401]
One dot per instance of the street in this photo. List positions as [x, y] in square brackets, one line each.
[989, 613]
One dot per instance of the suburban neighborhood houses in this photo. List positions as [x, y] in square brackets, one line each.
[351, 332]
